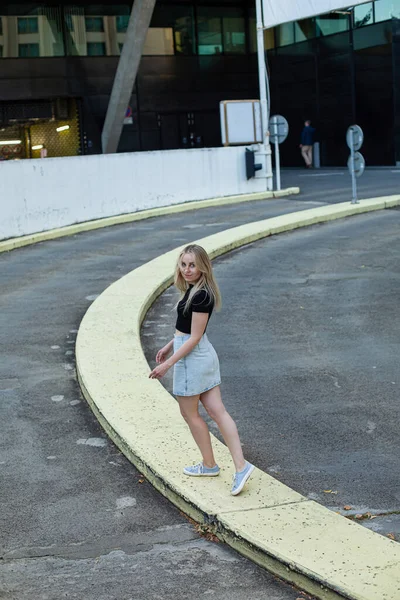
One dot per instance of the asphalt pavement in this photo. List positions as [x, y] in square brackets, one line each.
[77, 519]
[307, 340]
[334, 185]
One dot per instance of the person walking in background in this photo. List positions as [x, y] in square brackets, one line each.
[196, 367]
[307, 142]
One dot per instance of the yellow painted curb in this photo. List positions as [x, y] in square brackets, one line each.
[52, 234]
[295, 538]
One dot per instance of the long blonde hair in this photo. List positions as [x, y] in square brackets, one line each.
[205, 282]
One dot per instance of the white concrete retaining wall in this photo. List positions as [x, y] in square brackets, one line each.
[38, 195]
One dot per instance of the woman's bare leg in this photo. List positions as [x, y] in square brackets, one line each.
[212, 402]
[189, 406]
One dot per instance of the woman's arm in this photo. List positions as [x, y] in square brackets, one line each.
[199, 323]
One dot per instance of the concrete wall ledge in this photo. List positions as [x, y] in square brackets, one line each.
[59, 232]
[293, 537]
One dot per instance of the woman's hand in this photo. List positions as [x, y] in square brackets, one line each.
[159, 371]
[162, 354]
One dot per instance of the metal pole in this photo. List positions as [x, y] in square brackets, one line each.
[353, 169]
[261, 72]
[262, 75]
[277, 156]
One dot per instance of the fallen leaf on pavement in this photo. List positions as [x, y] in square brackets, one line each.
[359, 516]
[141, 480]
[391, 536]
[347, 507]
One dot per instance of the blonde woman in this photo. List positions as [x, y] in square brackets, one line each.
[196, 366]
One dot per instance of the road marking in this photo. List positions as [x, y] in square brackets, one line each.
[321, 174]
[125, 502]
[57, 398]
[96, 442]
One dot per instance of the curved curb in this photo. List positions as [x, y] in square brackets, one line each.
[59, 232]
[295, 538]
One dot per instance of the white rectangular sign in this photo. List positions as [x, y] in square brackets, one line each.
[240, 122]
[285, 11]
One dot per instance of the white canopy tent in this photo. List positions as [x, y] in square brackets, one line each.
[271, 13]
[276, 12]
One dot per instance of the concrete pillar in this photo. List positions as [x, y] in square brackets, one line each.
[128, 66]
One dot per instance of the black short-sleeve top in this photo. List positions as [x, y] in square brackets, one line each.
[201, 302]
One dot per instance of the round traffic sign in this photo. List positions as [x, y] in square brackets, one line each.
[278, 129]
[355, 137]
[359, 164]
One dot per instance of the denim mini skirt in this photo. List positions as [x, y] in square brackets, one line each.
[198, 371]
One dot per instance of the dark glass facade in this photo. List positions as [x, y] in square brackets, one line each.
[334, 69]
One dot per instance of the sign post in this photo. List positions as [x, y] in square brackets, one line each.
[279, 129]
[356, 162]
[265, 148]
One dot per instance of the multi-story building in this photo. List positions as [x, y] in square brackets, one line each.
[58, 62]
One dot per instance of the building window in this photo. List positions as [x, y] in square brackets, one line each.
[332, 23]
[304, 30]
[234, 35]
[96, 49]
[221, 30]
[122, 23]
[184, 35]
[28, 25]
[385, 9]
[28, 50]
[69, 23]
[159, 42]
[210, 32]
[285, 34]
[1, 26]
[181, 20]
[363, 15]
[94, 24]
